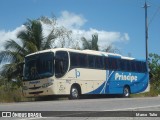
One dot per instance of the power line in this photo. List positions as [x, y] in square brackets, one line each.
[154, 15]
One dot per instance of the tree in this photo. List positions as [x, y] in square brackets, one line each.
[31, 39]
[63, 39]
[90, 44]
[154, 67]
[93, 44]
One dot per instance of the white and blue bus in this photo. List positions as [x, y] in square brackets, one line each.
[63, 71]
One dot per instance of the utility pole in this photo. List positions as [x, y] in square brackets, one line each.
[146, 30]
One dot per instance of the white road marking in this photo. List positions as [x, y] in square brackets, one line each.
[134, 108]
[33, 118]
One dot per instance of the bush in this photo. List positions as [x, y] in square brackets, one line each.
[8, 94]
[154, 91]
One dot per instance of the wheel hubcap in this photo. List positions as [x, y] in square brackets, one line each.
[126, 92]
[74, 93]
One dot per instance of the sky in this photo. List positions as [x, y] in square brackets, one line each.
[120, 23]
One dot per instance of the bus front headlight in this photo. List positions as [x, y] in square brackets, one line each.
[46, 85]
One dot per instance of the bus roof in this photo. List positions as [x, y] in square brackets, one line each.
[91, 52]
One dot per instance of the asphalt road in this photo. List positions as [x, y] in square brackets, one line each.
[101, 109]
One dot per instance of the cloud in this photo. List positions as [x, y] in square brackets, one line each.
[74, 22]
[104, 37]
[6, 35]
[71, 20]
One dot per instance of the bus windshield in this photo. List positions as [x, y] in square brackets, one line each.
[39, 66]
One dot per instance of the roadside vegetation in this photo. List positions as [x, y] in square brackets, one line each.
[32, 39]
[154, 75]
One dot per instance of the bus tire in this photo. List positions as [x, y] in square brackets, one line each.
[126, 92]
[74, 92]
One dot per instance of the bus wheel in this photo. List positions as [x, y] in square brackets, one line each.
[126, 92]
[74, 93]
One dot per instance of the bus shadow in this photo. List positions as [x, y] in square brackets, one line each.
[51, 98]
[60, 98]
[100, 96]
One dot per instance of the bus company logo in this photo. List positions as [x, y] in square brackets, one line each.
[34, 82]
[77, 73]
[129, 77]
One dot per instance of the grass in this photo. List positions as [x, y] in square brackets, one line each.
[12, 95]
[152, 93]
[147, 94]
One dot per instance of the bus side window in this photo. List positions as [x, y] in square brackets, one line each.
[107, 63]
[118, 64]
[122, 65]
[138, 66]
[133, 66]
[74, 59]
[83, 60]
[128, 65]
[144, 67]
[61, 63]
[113, 63]
[59, 66]
[99, 62]
[91, 61]
[125, 65]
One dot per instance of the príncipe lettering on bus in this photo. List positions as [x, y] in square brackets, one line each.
[122, 76]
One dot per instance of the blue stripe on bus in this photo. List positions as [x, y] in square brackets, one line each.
[110, 85]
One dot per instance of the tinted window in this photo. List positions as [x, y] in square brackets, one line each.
[133, 66]
[141, 66]
[78, 60]
[107, 63]
[138, 66]
[113, 63]
[39, 66]
[74, 59]
[61, 63]
[118, 64]
[83, 60]
[125, 65]
[91, 61]
[128, 65]
[144, 66]
[122, 65]
[99, 62]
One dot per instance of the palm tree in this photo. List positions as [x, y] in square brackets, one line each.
[93, 44]
[90, 44]
[13, 56]
[31, 40]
